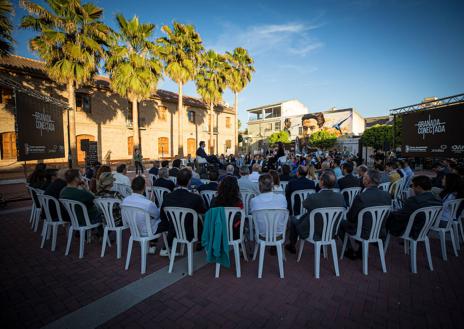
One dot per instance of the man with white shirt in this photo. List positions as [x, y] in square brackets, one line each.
[254, 177]
[120, 176]
[244, 182]
[138, 200]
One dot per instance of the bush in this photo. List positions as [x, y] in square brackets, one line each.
[377, 136]
[323, 139]
[279, 136]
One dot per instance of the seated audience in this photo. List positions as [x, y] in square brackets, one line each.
[348, 180]
[54, 190]
[276, 180]
[312, 172]
[154, 170]
[300, 183]
[398, 220]
[254, 177]
[93, 181]
[384, 176]
[175, 168]
[325, 198]
[371, 196]
[362, 169]
[285, 176]
[104, 185]
[75, 191]
[120, 176]
[452, 190]
[245, 183]
[163, 179]
[213, 176]
[38, 178]
[229, 171]
[391, 168]
[336, 168]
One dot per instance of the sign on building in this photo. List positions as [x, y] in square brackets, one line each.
[39, 129]
[434, 133]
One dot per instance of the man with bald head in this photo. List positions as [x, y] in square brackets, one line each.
[325, 198]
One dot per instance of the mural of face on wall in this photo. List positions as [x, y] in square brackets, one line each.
[287, 124]
[312, 122]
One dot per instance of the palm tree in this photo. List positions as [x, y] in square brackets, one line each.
[71, 41]
[134, 66]
[211, 82]
[238, 76]
[6, 40]
[181, 51]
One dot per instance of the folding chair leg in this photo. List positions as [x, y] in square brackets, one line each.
[166, 245]
[317, 259]
[365, 255]
[443, 245]
[413, 256]
[54, 235]
[105, 237]
[345, 241]
[237, 260]
[382, 256]
[280, 260]
[68, 244]
[44, 234]
[461, 229]
[429, 254]
[129, 252]
[324, 251]
[262, 248]
[173, 255]
[190, 258]
[118, 243]
[255, 252]
[82, 234]
[333, 246]
[300, 249]
[244, 251]
[387, 242]
[218, 269]
[143, 249]
[453, 242]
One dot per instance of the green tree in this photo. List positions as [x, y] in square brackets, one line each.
[6, 27]
[323, 139]
[376, 136]
[211, 82]
[71, 40]
[239, 73]
[134, 65]
[181, 52]
[279, 136]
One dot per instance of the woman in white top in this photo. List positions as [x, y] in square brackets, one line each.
[276, 180]
[452, 190]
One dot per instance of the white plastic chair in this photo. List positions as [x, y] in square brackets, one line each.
[106, 206]
[123, 189]
[302, 194]
[396, 191]
[208, 196]
[205, 181]
[159, 194]
[453, 206]
[384, 186]
[430, 216]
[86, 182]
[283, 184]
[35, 210]
[273, 219]
[458, 227]
[378, 215]
[351, 193]
[71, 207]
[151, 179]
[331, 218]
[129, 217]
[173, 179]
[246, 200]
[178, 215]
[50, 223]
[230, 213]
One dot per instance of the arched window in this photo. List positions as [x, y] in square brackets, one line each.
[163, 146]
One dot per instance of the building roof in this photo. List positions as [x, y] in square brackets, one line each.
[37, 67]
[381, 120]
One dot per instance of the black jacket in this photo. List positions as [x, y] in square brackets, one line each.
[211, 186]
[300, 183]
[166, 183]
[348, 181]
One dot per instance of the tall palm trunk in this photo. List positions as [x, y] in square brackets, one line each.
[180, 127]
[236, 122]
[72, 123]
[211, 125]
[135, 124]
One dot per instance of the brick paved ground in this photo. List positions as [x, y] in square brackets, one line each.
[38, 286]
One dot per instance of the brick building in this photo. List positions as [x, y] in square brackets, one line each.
[106, 117]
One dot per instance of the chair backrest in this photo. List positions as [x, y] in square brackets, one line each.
[129, 216]
[159, 194]
[34, 192]
[430, 215]
[384, 186]
[173, 179]
[350, 193]
[377, 215]
[273, 224]
[205, 181]
[395, 188]
[452, 206]
[46, 202]
[177, 215]
[283, 184]
[246, 200]
[302, 195]
[71, 207]
[152, 178]
[231, 214]
[208, 195]
[86, 182]
[123, 189]
[331, 218]
[106, 206]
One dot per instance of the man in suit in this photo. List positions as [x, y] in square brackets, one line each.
[348, 180]
[202, 153]
[213, 184]
[163, 179]
[182, 197]
[325, 198]
[371, 196]
[398, 220]
[175, 168]
[362, 169]
[300, 183]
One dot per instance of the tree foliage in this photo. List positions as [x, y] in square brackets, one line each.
[239, 69]
[211, 78]
[279, 136]
[323, 139]
[378, 136]
[6, 27]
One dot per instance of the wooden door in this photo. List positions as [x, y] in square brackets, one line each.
[80, 153]
[130, 145]
[191, 146]
[9, 145]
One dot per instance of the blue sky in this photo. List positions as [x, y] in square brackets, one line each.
[372, 55]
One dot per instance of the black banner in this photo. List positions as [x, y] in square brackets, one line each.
[91, 153]
[39, 129]
[434, 133]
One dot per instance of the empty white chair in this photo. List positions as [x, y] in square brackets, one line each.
[430, 215]
[106, 206]
[159, 193]
[231, 213]
[123, 189]
[246, 200]
[178, 215]
[350, 193]
[71, 207]
[35, 210]
[331, 218]
[274, 223]
[48, 202]
[453, 207]
[208, 196]
[129, 217]
[302, 195]
[378, 215]
[283, 184]
[384, 186]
